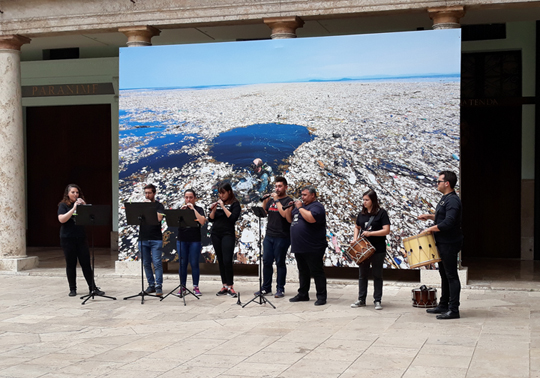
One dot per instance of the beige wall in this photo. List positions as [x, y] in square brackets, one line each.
[78, 71]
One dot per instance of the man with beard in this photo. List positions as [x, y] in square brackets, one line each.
[277, 239]
[449, 238]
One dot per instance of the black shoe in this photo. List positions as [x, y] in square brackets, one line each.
[150, 290]
[73, 293]
[320, 302]
[299, 298]
[437, 310]
[223, 291]
[97, 291]
[449, 315]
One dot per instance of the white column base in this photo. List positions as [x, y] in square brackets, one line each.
[433, 278]
[17, 264]
[130, 268]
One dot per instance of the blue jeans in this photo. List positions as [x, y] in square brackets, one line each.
[275, 249]
[189, 252]
[151, 253]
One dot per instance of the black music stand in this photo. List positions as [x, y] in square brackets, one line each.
[260, 213]
[181, 218]
[141, 214]
[93, 215]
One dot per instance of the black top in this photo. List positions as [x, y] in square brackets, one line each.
[224, 225]
[448, 219]
[381, 219]
[309, 237]
[191, 234]
[70, 228]
[152, 232]
[278, 226]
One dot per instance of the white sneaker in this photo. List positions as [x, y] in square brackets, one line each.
[359, 303]
[378, 306]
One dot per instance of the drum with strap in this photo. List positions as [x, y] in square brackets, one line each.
[421, 250]
[360, 250]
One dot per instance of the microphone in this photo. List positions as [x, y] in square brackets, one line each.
[264, 197]
[287, 206]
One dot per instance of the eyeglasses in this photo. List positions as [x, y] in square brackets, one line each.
[439, 181]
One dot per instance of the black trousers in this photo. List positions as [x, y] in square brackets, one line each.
[224, 247]
[77, 249]
[376, 261]
[311, 264]
[450, 285]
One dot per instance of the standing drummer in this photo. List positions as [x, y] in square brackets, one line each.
[449, 239]
[373, 224]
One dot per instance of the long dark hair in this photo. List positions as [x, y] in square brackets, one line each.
[226, 187]
[66, 199]
[374, 203]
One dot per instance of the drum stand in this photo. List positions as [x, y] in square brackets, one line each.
[260, 213]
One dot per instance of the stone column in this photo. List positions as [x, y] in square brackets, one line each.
[139, 35]
[283, 27]
[446, 17]
[12, 188]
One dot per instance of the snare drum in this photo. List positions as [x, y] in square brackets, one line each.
[360, 250]
[421, 250]
[424, 298]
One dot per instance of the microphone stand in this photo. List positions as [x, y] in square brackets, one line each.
[93, 215]
[260, 213]
[181, 218]
[141, 213]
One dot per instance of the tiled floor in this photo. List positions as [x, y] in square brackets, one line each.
[45, 333]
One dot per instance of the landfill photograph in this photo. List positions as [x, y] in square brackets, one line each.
[344, 114]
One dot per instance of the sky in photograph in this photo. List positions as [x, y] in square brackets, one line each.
[367, 56]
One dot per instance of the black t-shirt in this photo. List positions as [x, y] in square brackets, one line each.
[448, 219]
[152, 232]
[278, 226]
[224, 225]
[381, 219]
[70, 228]
[191, 234]
[309, 237]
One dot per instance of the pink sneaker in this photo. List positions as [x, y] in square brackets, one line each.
[196, 291]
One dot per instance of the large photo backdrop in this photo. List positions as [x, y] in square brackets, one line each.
[345, 114]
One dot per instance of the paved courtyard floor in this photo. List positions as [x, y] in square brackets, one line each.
[45, 333]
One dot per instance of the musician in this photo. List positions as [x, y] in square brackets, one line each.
[373, 224]
[189, 244]
[224, 213]
[151, 245]
[278, 237]
[308, 243]
[73, 240]
[449, 239]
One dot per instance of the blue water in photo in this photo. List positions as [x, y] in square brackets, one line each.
[271, 142]
[153, 130]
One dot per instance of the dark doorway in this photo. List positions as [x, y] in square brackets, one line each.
[66, 144]
[491, 154]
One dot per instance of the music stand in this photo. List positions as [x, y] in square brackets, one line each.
[93, 215]
[141, 214]
[181, 218]
[260, 213]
